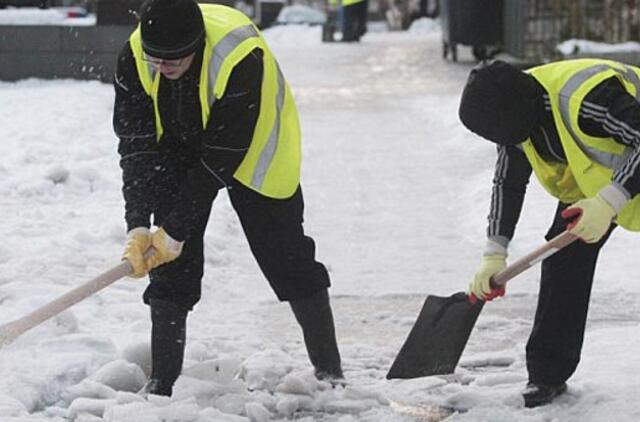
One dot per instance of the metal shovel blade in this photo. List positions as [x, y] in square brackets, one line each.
[438, 337]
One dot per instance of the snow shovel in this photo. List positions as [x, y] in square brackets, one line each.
[440, 333]
[12, 330]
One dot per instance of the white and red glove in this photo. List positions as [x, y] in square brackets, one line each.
[493, 261]
[480, 286]
[592, 217]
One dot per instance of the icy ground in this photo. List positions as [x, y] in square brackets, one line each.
[396, 197]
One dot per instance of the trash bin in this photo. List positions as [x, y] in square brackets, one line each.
[476, 23]
[267, 12]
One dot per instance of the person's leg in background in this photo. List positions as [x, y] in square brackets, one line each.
[349, 17]
[363, 10]
[286, 257]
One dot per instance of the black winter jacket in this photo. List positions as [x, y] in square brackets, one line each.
[206, 158]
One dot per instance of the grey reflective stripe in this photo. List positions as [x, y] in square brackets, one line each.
[222, 49]
[606, 159]
[269, 150]
[634, 79]
[152, 71]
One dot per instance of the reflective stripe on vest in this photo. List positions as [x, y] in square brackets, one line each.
[612, 161]
[223, 49]
[269, 151]
[152, 70]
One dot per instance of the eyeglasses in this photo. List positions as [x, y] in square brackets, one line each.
[153, 61]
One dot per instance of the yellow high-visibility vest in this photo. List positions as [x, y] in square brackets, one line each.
[591, 161]
[272, 163]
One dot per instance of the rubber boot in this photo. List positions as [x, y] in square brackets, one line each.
[168, 335]
[538, 395]
[316, 320]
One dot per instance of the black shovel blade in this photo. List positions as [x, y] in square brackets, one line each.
[438, 337]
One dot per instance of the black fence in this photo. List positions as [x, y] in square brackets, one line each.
[533, 28]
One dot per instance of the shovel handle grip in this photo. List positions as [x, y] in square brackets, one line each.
[531, 259]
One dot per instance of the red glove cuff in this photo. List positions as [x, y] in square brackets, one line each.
[573, 215]
[492, 295]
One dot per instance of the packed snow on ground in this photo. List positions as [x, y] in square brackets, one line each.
[397, 193]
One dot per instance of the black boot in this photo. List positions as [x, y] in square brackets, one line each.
[316, 320]
[168, 334]
[538, 394]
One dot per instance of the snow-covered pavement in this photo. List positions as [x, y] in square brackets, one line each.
[396, 194]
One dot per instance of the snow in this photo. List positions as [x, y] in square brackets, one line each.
[396, 192]
[574, 46]
[301, 14]
[424, 26]
[60, 16]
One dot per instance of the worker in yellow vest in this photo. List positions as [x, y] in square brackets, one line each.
[202, 105]
[576, 125]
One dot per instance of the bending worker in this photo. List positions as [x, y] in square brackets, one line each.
[576, 125]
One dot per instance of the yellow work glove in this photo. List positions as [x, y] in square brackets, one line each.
[138, 241]
[166, 249]
[592, 218]
[480, 286]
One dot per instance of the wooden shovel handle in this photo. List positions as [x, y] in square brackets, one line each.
[12, 330]
[531, 259]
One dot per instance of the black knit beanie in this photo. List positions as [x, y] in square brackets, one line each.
[171, 29]
[501, 103]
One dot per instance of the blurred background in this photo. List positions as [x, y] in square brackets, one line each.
[80, 38]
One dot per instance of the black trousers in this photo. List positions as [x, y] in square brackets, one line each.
[274, 230]
[555, 343]
[354, 21]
